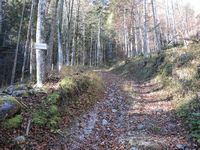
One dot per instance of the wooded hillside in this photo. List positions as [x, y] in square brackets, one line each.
[99, 74]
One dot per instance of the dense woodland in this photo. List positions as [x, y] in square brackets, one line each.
[53, 48]
[84, 32]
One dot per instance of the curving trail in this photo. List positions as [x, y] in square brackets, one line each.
[130, 117]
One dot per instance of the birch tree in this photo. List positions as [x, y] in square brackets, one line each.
[59, 25]
[40, 54]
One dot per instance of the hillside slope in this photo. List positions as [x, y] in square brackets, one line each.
[177, 71]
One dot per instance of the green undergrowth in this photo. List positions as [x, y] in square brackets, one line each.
[78, 89]
[177, 70]
[13, 122]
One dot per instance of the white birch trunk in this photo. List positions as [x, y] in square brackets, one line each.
[59, 25]
[136, 36]
[99, 41]
[125, 33]
[140, 32]
[40, 54]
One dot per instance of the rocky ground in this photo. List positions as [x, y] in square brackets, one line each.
[131, 116]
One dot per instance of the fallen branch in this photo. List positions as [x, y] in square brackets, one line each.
[28, 126]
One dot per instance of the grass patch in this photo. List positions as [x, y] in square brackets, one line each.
[14, 122]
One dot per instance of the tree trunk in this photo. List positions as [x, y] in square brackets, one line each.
[99, 41]
[40, 54]
[51, 38]
[84, 48]
[69, 34]
[125, 33]
[91, 46]
[28, 38]
[60, 51]
[1, 16]
[156, 26]
[18, 42]
[145, 38]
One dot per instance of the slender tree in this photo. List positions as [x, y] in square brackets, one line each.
[40, 54]
[28, 38]
[18, 42]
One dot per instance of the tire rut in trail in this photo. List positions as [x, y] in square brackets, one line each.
[124, 121]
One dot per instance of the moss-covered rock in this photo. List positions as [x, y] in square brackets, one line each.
[9, 106]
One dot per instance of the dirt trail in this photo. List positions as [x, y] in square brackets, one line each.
[124, 120]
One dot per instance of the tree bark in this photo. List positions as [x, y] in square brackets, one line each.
[18, 42]
[60, 50]
[145, 38]
[51, 38]
[1, 16]
[28, 38]
[156, 26]
[40, 54]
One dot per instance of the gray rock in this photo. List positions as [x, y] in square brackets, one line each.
[20, 140]
[10, 89]
[133, 148]
[20, 93]
[140, 127]
[152, 146]
[171, 126]
[8, 107]
[180, 146]
[104, 122]
[114, 110]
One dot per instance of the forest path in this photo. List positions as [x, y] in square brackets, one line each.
[130, 117]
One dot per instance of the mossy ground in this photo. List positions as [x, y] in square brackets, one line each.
[14, 122]
[77, 89]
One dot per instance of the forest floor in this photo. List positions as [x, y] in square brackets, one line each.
[130, 116]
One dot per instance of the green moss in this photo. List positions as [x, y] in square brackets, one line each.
[53, 122]
[14, 122]
[40, 118]
[183, 59]
[53, 98]
[68, 83]
[53, 110]
[10, 99]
